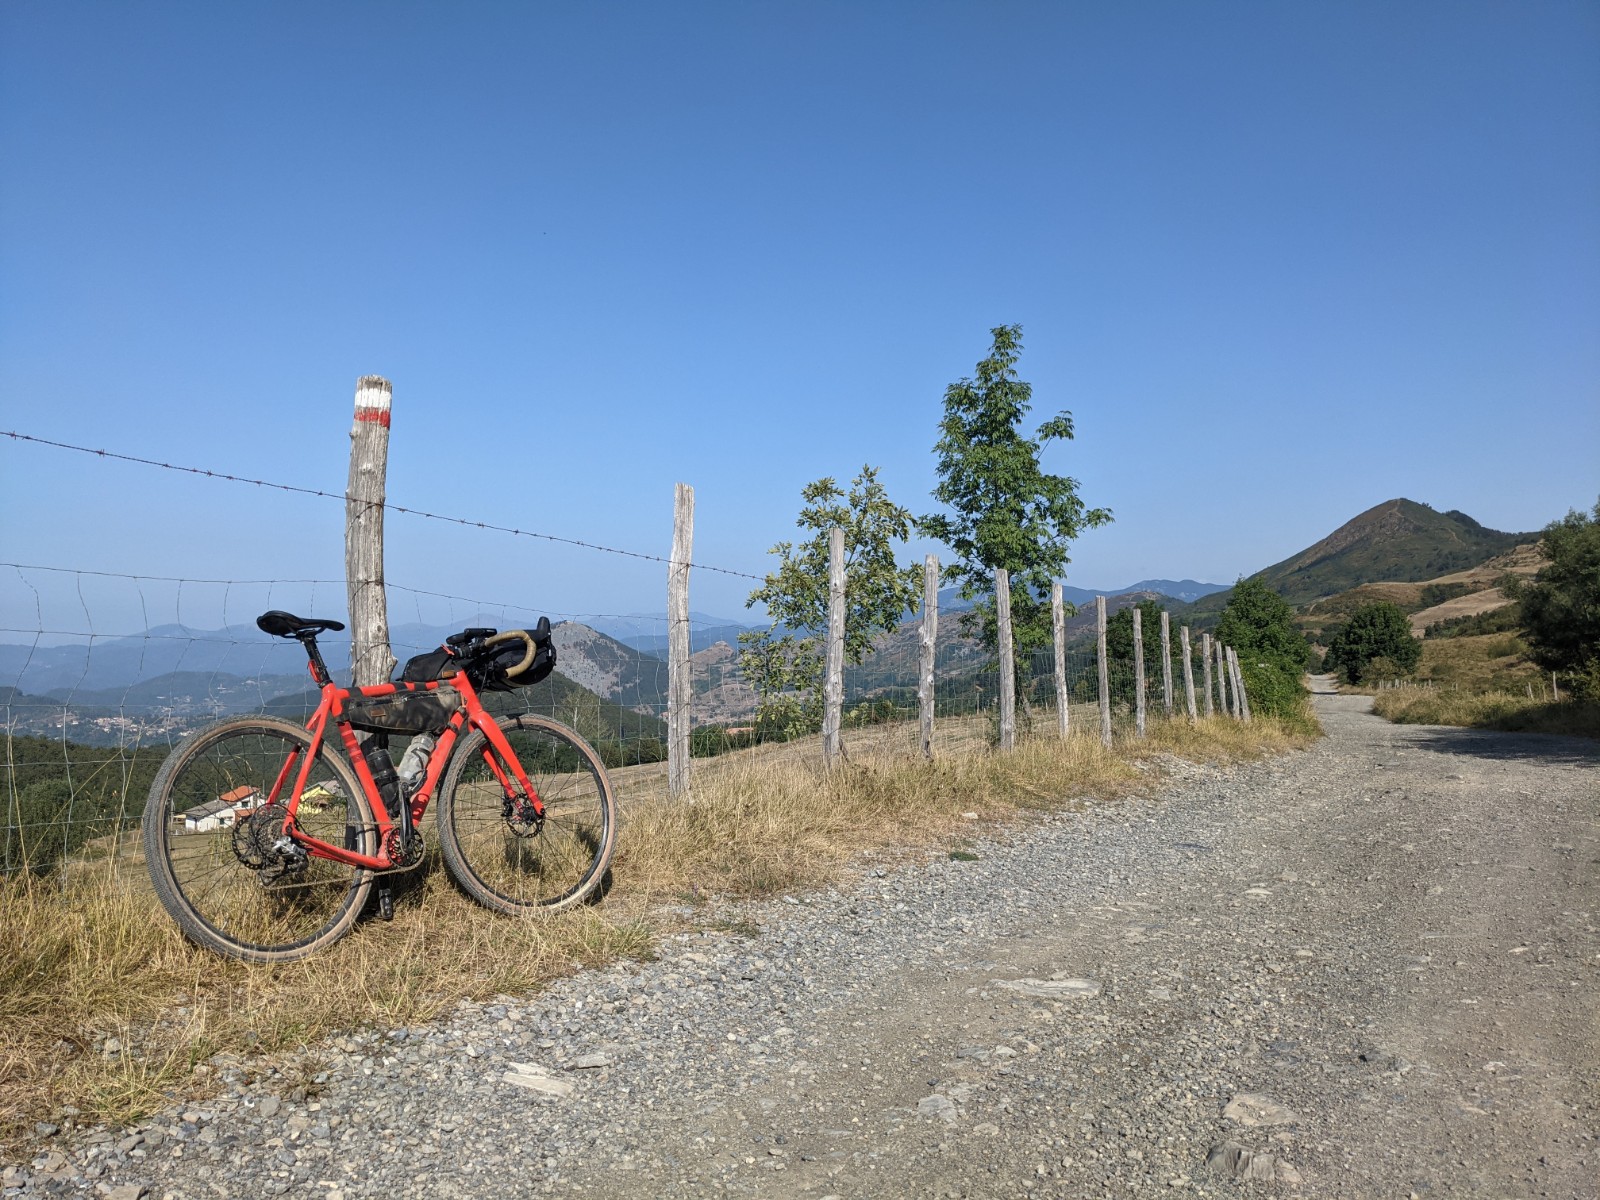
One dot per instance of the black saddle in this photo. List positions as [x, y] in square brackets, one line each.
[286, 625]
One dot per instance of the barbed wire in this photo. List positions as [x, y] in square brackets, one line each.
[398, 508]
[332, 583]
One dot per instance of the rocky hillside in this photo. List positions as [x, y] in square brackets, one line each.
[609, 669]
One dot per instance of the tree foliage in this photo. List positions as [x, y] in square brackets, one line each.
[1273, 654]
[1259, 623]
[1561, 608]
[1119, 638]
[1374, 631]
[1003, 509]
[784, 664]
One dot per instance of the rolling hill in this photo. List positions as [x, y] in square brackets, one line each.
[1397, 541]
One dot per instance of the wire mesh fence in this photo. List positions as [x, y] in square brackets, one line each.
[103, 674]
[90, 709]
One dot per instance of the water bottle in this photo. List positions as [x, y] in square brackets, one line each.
[414, 762]
[383, 774]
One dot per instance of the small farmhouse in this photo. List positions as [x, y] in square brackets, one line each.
[220, 813]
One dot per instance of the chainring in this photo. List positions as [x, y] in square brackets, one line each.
[402, 853]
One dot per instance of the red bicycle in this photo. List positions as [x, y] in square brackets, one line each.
[264, 843]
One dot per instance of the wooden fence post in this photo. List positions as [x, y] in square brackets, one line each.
[1138, 672]
[1058, 631]
[1166, 662]
[1105, 679]
[679, 691]
[1224, 701]
[1205, 663]
[928, 638]
[833, 680]
[1238, 686]
[1555, 690]
[1188, 670]
[1008, 659]
[371, 660]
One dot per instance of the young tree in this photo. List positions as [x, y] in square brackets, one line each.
[1561, 608]
[1259, 624]
[784, 663]
[1004, 509]
[1374, 631]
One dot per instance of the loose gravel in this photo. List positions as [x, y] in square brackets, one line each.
[1367, 969]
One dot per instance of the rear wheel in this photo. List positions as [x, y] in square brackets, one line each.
[216, 853]
[513, 865]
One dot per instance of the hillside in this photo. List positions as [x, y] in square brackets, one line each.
[1396, 541]
[610, 669]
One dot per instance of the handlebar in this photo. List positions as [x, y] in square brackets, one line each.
[512, 635]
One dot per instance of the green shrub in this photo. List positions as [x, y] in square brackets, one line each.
[1374, 631]
[1497, 620]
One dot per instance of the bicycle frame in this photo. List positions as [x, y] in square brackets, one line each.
[500, 757]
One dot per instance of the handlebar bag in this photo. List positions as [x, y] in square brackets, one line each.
[510, 653]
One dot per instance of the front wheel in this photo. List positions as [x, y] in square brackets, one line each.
[512, 865]
[217, 858]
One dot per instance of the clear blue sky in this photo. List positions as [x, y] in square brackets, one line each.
[1281, 261]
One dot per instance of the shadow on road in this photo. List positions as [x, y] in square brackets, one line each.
[1506, 747]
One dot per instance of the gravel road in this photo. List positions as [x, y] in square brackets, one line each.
[1368, 969]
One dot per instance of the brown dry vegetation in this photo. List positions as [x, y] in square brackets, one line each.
[91, 956]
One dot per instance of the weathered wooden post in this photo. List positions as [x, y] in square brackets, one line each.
[1166, 662]
[1225, 702]
[1058, 634]
[1555, 688]
[1205, 663]
[1105, 679]
[371, 661]
[1188, 670]
[1138, 672]
[679, 690]
[1008, 660]
[928, 638]
[833, 679]
[1240, 696]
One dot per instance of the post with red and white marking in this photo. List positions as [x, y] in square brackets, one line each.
[371, 660]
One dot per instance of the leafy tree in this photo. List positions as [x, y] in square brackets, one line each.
[1374, 631]
[1258, 623]
[1004, 510]
[1273, 654]
[784, 664]
[1561, 608]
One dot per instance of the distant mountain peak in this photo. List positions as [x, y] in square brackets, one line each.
[1398, 540]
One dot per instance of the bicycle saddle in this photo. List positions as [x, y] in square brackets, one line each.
[281, 624]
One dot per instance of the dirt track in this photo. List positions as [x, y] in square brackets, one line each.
[1387, 944]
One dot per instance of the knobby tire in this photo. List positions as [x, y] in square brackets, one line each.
[506, 866]
[258, 914]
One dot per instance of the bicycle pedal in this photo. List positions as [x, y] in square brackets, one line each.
[386, 903]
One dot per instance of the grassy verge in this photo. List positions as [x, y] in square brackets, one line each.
[1510, 711]
[105, 1009]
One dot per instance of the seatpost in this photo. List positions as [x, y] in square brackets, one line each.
[319, 669]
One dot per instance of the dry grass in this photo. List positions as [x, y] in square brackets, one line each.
[1510, 711]
[1488, 662]
[92, 956]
